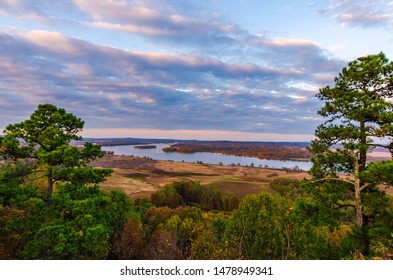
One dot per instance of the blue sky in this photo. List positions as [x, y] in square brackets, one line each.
[218, 69]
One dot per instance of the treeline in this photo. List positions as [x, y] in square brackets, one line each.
[276, 151]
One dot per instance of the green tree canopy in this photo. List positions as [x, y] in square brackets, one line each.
[359, 118]
[45, 139]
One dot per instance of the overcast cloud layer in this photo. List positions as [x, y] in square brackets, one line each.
[181, 65]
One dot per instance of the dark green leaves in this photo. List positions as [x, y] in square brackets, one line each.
[357, 112]
[45, 139]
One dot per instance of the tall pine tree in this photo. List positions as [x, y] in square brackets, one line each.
[359, 113]
[45, 139]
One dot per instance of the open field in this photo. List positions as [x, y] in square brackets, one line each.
[139, 177]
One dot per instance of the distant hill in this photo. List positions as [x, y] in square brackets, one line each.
[143, 141]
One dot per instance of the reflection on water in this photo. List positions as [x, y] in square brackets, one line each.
[210, 158]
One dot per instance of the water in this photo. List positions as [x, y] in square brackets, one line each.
[210, 158]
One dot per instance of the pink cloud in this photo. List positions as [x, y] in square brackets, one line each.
[131, 28]
[118, 10]
[52, 41]
[12, 3]
[349, 19]
[156, 20]
[282, 42]
[360, 13]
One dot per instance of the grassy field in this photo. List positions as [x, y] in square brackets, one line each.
[139, 177]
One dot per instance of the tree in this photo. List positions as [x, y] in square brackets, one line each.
[255, 230]
[79, 224]
[128, 244]
[359, 116]
[45, 140]
[78, 220]
[168, 196]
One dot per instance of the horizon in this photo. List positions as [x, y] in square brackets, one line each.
[233, 70]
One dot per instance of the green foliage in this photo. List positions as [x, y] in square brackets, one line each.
[267, 228]
[15, 173]
[12, 192]
[10, 245]
[286, 187]
[190, 191]
[230, 202]
[78, 220]
[48, 127]
[379, 173]
[173, 229]
[79, 224]
[357, 112]
[209, 242]
[359, 118]
[18, 223]
[379, 227]
[193, 193]
[155, 216]
[255, 230]
[45, 138]
[168, 196]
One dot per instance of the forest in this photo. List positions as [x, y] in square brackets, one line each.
[52, 206]
[276, 151]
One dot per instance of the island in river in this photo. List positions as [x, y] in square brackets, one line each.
[261, 150]
[144, 147]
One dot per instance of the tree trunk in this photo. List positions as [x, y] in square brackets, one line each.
[358, 199]
[358, 206]
[362, 150]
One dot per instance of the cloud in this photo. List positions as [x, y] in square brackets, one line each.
[191, 73]
[364, 13]
[149, 18]
[52, 41]
[46, 11]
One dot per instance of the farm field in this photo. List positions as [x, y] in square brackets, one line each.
[139, 177]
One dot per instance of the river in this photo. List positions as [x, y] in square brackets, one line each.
[210, 158]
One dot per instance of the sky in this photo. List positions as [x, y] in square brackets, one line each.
[208, 69]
